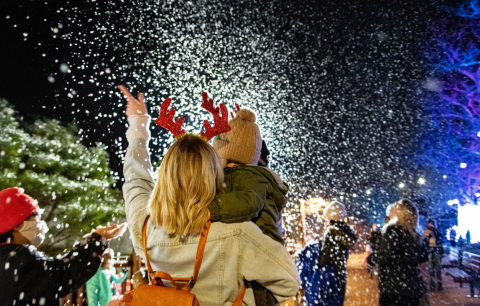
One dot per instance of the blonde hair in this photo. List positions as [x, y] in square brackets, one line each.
[407, 215]
[188, 179]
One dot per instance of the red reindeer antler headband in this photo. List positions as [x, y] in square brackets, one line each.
[165, 119]
[220, 119]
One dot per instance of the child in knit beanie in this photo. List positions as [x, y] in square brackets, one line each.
[252, 193]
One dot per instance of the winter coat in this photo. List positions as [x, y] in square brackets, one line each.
[398, 257]
[252, 193]
[29, 277]
[339, 238]
[374, 240]
[433, 240]
[233, 252]
[337, 241]
[255, 194]
[99, 287]
[308, 263]
[313, 277]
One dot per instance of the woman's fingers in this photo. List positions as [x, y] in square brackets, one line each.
[134, 106]
[125, 91]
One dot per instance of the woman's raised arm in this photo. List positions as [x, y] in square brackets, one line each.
[137, 169]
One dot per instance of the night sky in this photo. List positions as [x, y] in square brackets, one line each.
[337, 85]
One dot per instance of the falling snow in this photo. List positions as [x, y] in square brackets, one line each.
[337, 87]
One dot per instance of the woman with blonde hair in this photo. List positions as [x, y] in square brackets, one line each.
[400, 252]
[189, 178]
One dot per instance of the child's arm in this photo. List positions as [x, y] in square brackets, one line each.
[118, 279]
[245, 200]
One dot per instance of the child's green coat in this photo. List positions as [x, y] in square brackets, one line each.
[251, 193]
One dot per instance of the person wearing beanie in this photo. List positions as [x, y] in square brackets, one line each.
[337, 241]
[29, 277]
[243, 143]
[252, 193]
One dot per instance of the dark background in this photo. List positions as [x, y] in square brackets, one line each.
[371, 54]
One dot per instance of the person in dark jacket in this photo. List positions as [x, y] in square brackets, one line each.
[373, 243]
[400, 252]
[453, 237]
[337, 241]
[29, 277]
[374, 237]
[434, 241]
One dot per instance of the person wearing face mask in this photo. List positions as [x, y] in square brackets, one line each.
[29, 277]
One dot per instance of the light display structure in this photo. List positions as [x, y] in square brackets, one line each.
[468, 218]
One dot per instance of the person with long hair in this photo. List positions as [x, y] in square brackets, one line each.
[400, 252]
[189, 178]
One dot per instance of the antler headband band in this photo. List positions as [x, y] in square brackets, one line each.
[220, 119]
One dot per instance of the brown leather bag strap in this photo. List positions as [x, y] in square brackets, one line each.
[160, 276]
[144, 244]
[199, 256]
[239, 300]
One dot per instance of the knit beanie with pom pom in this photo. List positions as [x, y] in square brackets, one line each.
[243, 143]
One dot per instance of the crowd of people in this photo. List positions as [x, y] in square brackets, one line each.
[214, 209]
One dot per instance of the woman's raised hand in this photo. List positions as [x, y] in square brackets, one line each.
[134, 106]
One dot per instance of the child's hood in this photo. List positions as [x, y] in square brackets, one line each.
[277, 178]
[271, 175]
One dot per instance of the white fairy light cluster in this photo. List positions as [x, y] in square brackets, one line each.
[335, 96]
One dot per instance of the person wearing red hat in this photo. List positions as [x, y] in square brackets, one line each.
[29, 277]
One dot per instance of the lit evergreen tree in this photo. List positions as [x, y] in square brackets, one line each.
[71, 182]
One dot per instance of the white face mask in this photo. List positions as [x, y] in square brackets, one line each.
[34, 231]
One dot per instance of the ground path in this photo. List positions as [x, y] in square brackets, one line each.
[363, 291]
